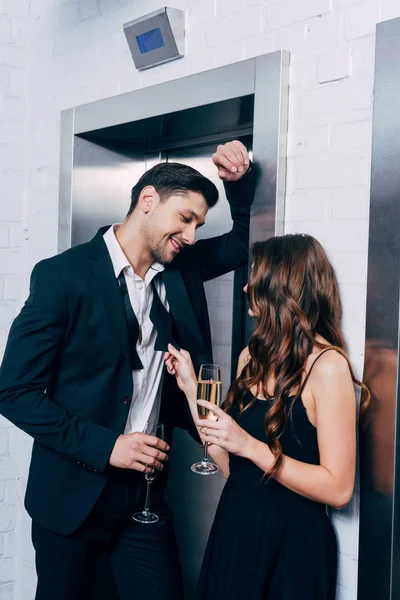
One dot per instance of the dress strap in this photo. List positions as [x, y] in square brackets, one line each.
[303, 385]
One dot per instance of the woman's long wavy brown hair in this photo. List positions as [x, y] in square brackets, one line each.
[294, 296]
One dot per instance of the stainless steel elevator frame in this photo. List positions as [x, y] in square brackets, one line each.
[379, 548]
[265, 78]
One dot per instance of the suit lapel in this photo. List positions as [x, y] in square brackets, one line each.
[182, 312]
[184, 316]
[104, 276]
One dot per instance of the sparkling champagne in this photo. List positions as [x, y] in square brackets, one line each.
[211, 391]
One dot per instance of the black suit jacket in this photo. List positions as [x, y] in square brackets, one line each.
[66, 378]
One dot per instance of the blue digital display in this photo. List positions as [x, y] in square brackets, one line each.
[150, 40]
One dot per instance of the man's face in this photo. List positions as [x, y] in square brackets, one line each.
[171, 225]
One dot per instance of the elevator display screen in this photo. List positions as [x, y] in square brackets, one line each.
[150, 40]
[156, 38]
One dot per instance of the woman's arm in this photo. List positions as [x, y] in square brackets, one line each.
[332, 481]
[179, 363]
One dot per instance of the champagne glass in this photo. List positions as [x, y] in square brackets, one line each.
[209, 388]
[156, 429]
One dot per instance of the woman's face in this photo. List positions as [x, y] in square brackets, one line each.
[251, 314]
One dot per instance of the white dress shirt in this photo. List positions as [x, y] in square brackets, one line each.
[147, 382]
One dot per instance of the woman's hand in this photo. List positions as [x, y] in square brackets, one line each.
[179, 363]
[224, 432]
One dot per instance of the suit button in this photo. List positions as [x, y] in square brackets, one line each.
[127, 400]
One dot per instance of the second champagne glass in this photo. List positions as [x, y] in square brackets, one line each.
[146, 516]
[209, 388]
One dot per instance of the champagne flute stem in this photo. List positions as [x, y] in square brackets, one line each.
[147, 503]
[205, 456]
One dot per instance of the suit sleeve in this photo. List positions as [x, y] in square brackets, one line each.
[31, 356]
[175, 410]
[222, 254]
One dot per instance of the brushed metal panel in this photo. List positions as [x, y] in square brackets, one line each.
[102, 183]
[269, 144]
[224, 83]
[65, 185]
[271, 96]
[379, 573]
[211, 123]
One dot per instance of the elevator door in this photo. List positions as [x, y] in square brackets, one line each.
[193, 498]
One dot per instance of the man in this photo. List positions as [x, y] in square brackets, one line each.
[83, 373]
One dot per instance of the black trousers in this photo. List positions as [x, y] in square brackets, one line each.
[143, 557]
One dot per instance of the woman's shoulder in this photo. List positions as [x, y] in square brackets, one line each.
[327, 365]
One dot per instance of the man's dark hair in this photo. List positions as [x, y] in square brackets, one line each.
[174, 178]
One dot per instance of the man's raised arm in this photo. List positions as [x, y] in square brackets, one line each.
[224, 253]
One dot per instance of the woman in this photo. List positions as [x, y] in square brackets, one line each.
[286, 439]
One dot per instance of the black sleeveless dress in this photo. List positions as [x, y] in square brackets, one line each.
[267, 542]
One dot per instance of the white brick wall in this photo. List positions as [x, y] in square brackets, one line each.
[54, 55]
[14, 39]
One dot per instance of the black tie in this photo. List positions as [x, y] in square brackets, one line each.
[162, 321]
[159, 316]
[132, 323]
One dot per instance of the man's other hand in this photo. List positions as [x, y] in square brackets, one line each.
[140, 452]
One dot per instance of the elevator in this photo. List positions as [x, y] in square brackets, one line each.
[107, 145]
[379, 547]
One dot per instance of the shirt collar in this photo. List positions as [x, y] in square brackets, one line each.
[119, 259]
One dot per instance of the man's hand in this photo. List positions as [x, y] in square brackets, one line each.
[139, 452]
[232, 161]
